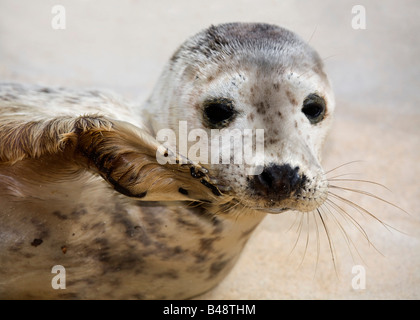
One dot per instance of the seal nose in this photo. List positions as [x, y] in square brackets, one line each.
[277, 181]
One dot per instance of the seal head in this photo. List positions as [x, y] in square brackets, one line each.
[241, 76]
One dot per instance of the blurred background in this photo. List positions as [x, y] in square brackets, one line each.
[123, 46]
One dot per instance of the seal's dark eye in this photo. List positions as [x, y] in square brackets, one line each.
[314, 108]
[218, 112]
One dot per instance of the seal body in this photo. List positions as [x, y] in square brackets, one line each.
[81, 188]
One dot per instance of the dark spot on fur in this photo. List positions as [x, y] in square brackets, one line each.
[217, 226]
[103, 242]
[200, 211]
[45, 90]
[123, 259]
[217, 267]
[270, 141]
[77, 213]
[291, 97]
[262, 107]
[132, 230]
[41, 228]
[153, 223]
[166, 253]
[102, 255]
[183, 191]
[170, 274]
[206, 244]
[98, 225]
[276, 86]
[36, 242]
[59, 215]
[177, 250]
[186, 223]
[200, 257]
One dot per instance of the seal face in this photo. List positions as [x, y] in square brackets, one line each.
[81, 186]
[254, 76]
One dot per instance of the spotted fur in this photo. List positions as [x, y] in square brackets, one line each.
[80, 185]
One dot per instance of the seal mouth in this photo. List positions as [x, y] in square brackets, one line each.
[273, 210]
[294, 202]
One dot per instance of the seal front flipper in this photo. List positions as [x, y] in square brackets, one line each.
[124, 155]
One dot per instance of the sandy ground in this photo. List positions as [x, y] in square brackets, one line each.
[375, 73]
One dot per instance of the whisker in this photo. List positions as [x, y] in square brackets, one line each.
[329, 241]
[299, 229]
[350, 219]
[342, 231]
[318, 243]
[353, 221]
[231, 207]
[360, 180]
[307, 240]
[313, 32]
[362, 210]
[194, 204]
[291, 226]
[341, 175]
[369, 195]
[344, 164]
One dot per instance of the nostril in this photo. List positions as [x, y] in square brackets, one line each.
[277, 181]
[266, 178]
[294, 178]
